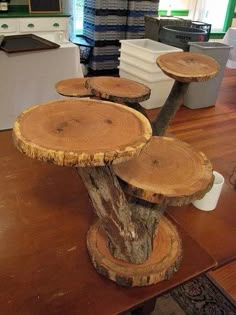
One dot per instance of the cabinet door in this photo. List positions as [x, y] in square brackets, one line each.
[8, 26]
[43, 24]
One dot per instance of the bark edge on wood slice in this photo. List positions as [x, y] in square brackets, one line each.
[76, 132]
[167, 171]
[118, 90]
[74, 87]
[162, 264]
[188, 67]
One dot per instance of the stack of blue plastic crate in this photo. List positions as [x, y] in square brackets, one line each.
[106, 22]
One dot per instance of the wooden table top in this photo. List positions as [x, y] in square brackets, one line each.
[44, 265]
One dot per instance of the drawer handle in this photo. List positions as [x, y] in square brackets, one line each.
[4, 26]
[56, 24]
[30, 25]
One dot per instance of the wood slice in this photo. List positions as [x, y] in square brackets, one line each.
[85, 132]
[187, 66]
[118, 90]
[73, 87]
[167, 171]
[162, 264]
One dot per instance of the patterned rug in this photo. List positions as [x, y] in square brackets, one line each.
[197, 297]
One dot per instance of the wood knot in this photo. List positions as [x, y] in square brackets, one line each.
[65, 124]
[155, 162]
[108, 121]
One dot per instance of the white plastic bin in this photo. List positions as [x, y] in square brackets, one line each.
[142, 63]
[147, 75]
[160, 89]
[204, 94]
[146, 49]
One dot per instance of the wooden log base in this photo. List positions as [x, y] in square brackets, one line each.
[162, 264]
[76, 132]
[167, 171]
[73, 87]
[187, 66]
[118, 90]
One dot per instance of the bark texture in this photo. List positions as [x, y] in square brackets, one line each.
[127, 235]
[169, 109]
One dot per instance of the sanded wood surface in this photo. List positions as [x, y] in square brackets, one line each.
[167, 171]
[81, 132]
[225, 278]
[187, 66]
[119, 90]
[162, 264]
[73, 87]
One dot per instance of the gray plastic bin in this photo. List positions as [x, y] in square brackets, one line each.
[204, 94]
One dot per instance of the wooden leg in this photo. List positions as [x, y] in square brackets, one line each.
[128, 239]
[169, 109]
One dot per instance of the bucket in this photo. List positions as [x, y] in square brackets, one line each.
[179, 36]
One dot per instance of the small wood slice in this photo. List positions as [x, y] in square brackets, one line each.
[73, 87]
[187, 66]
[85, 132]
[167, 171]
[118, 90]
[162, 264]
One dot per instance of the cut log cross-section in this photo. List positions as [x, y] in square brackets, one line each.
[119, 90]
[183, 67]
[168, 172]
[74, 87]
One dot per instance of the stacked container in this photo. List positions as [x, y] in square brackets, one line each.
[138, 63]
[107, 22]
[104, 26]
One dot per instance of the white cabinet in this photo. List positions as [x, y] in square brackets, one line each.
[8, 26]
[51, 27]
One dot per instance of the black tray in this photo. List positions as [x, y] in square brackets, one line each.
[28, 42]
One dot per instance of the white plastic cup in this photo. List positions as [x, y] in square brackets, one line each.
[210, 200]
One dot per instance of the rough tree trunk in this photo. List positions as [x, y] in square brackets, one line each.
[169, 109]
[127, 235]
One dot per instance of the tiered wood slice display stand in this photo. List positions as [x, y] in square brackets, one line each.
[91, 136]
[74, 87]
[131, 243]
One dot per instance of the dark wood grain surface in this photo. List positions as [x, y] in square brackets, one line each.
[44, 265]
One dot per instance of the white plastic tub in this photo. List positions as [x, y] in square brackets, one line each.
[146, 49]
[141, 72]
[142, 63]
[160, 89]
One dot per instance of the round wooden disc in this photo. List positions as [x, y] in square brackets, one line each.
[162, 264]
[167, 171]
[73, 87]
[118, 89]
[76, 132]
[187, 66]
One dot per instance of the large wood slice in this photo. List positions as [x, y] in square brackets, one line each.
[168, 171]
[187, 66]
[162, 264]
[118, 90]
[74, 132]
[73, 87]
